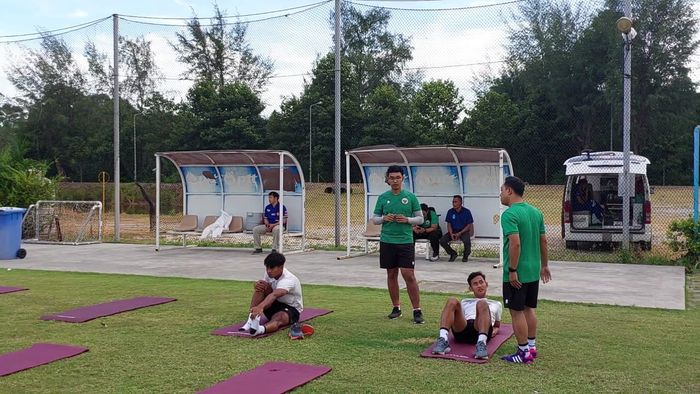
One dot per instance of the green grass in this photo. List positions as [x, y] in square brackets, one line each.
[168, 348]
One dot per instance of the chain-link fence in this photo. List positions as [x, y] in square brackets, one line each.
[542, 79]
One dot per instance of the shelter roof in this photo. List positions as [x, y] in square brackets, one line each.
[228, 157]
[386, 154]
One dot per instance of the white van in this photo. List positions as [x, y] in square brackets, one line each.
[592, 205]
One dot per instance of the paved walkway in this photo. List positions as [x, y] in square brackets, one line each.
[598, 283]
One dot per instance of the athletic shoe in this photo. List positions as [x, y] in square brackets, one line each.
[533, 352]
[295, 331]
[260, 330]
[435, 257]
[273, 251]
[441, 346]
[418, 316]
[465, 259]
[257, 251]
[396, 312]
[253, 326]
[481, 351]
[519, 357]
[453, 257]
[246, 326]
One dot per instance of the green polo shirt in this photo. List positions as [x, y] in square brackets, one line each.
[528, 222]
[403, 203]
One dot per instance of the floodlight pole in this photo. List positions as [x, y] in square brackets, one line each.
[337, 123]
[117, 175]
[627, 79]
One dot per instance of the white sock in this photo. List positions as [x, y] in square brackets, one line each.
[259, 331]
[531, 342]
[524, 348]
[482, 338]
[247, 325]
[443, 333]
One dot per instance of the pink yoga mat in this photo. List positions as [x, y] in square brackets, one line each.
[270, 378]
[307, 314]
[4, 289]
[465, 352]
[37, 354]
[88, 313]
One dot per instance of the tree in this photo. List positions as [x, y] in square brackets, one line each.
[221, 54]
[227, 117]
[436, 109]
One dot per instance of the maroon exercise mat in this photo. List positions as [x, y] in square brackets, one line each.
[306, 314]
[465, 352]
[88, 313]
[4, 289]
[272, 377]
[37, 354]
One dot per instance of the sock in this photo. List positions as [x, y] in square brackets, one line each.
[443, 333]
[416, 309]
[482, 337]
[531, 342]
[247, 324]
[523, 347]
[259, 331]
[397, 306]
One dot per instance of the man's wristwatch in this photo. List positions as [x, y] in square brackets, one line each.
[512, 269]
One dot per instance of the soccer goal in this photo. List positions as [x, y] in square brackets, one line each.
[63, 222]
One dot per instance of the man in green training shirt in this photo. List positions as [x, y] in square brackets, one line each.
[398, 211]
[524, 263]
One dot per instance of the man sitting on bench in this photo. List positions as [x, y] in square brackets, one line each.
[278, 297]
[430, 230]
[473, 321]
[460, 226]
[271, 221]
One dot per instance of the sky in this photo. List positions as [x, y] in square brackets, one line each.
[292, 42]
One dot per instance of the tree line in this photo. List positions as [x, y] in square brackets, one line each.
[559, 92]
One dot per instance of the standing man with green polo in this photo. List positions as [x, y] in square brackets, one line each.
[398, 211]
[524, 264]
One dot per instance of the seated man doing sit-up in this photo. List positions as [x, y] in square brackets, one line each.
[473, 320]
[277, 296]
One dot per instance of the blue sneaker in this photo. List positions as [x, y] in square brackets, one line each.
[519, 357]
[481, 351]
[441, 346]
[295, 331]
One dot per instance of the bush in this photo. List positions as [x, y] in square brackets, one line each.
[23, 181]
[683, 236]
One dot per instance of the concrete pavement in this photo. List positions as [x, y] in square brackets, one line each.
[598, 283]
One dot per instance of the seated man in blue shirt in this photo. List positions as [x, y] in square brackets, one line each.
[271, 221]
[460, 226]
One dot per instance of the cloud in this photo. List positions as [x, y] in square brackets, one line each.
[78, 14]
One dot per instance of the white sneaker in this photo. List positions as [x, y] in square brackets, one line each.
[246, 326]
[258, 331]
[434, 258]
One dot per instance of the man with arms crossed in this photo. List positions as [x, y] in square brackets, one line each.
[398, 211]
[525, 262]
[474, 320]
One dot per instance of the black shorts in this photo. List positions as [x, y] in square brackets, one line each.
[397, 255]
[470, 334]
[518, 299]
[277, 306]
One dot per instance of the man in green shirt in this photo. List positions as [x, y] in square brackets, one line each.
[398, 211]
[430, 230]
[524, 263]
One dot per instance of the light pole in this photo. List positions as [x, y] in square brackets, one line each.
[136, 114]
[310, 108]
[624, 26]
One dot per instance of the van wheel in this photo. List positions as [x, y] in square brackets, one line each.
[646, 245]
[571, 244]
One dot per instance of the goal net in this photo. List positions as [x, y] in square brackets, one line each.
[63, 222]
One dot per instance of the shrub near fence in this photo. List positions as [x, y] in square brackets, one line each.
[669, 203]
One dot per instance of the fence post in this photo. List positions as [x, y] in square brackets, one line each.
[696, 162]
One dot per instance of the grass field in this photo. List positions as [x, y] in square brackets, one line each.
[168, 348]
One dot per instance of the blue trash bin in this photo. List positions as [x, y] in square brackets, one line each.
[11, 233]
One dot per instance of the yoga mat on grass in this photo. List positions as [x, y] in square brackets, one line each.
[306, 314]
[465, 352]
[37, 354]
[88, 313]
[6, 289]
[270, 378]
